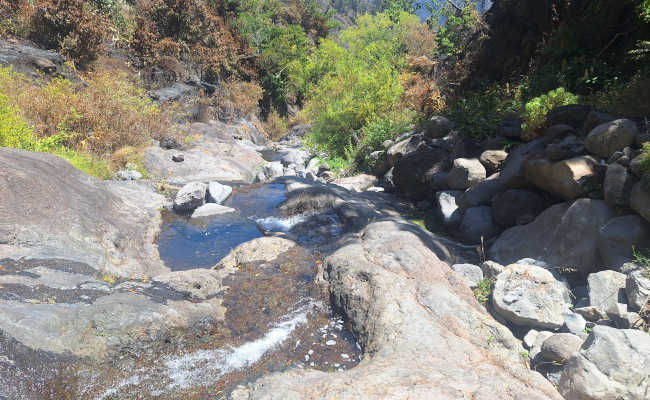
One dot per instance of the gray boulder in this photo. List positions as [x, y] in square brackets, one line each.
[272, 170]
[477, 224]
[190, 196]
[218, 193]
[472, 274]
[491, 269]
[294, 156]
[636, 166]
[379, 162]
[465, 173]
[513, 174]
[565, 234]
[640, 199]
[612, 364]
[436, 127]
[534, 340]
[516, 207]
[569, 147]
[357, 183]
[414, 170]
[607, 290]
[568, 179]
[618, 184]
[492, 160]
[528, 295]
[573, 115]
[594, 119]
[406, 146]
[560, 347]
[481, 194]
[575, 323]
[210, 209]
[637, 289]
[609, 137]
[447, 208]
[618, 236]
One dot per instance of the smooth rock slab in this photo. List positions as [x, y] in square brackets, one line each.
[190, 196]
[613, 364]
[528, 295]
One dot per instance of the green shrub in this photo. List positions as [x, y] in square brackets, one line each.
[536, 109]
[478, 113]
[483, 291]
[355, 87]
[14, 131]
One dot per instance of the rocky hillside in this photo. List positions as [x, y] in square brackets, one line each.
[239, 200]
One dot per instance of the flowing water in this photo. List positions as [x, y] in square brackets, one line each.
[277, 316]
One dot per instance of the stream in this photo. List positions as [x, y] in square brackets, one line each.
[277, 316]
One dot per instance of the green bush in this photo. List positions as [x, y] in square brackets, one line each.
[14, 131]
[536, 109]
[478, 113]
[355, 87]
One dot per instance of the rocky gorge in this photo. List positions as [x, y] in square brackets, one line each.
[527, 284]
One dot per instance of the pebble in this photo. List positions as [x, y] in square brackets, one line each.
[331, 343]
[345, 355]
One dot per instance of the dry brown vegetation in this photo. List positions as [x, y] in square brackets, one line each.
[101, 117]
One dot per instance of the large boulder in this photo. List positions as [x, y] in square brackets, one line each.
[294, 156]
[618, 184]
[612, 364]
[492, 160]
[436, 127]
[640, 199]
[513, 174]
[528, 295]
[610, 137]
[569, 147]
[573, 115]
[607, 290]
[481, 194]
[51, 210]
[637, 289]
[465, 173]
[414, 170]
[403, 303]
[406, 146]
[568, 179]
[619, 236]
[516, 207]
[190, 197]
[477, 225]
[565, 234]
[357, 183]
[217, 193]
